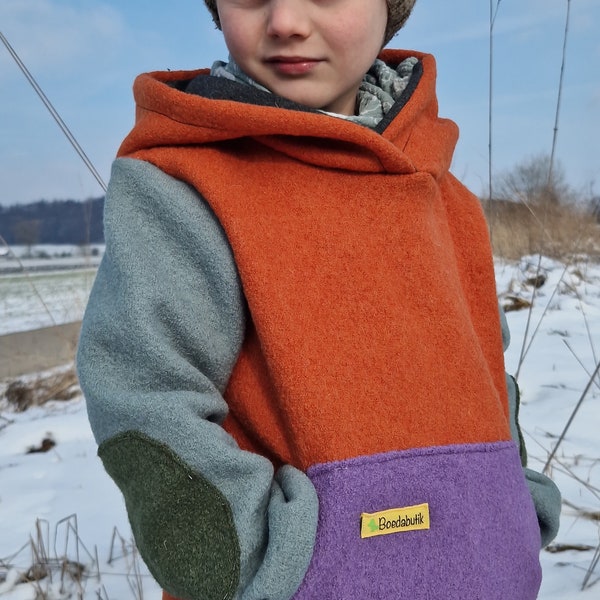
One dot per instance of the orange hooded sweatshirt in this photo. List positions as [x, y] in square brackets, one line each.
[372, 358]
[366, 268]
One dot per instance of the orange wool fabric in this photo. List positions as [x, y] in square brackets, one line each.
[366, 267]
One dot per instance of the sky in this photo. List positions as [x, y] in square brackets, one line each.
[85, 54]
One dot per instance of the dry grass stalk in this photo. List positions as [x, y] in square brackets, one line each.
[588, 575]
[4, 422]
[590, 515]
[511, 303]
[556, 548]
[22, 394]
[70, 567]
[557, 231]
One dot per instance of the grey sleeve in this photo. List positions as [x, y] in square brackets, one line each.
[161, 333]
[544, 492]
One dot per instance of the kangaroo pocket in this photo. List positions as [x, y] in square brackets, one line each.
[460, 524]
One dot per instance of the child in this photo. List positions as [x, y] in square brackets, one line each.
[292, 354]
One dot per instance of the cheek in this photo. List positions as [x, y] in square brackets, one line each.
[361, 33]
[234, 44]
[359, 46]
[237, 35]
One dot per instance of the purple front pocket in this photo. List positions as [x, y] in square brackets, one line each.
[483, 542]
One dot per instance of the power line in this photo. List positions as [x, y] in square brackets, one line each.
[63, 126]
[560, 88]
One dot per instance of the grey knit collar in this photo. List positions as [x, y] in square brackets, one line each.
[379, 90]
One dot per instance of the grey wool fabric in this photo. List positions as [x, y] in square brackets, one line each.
[154, 383]
[398, 13]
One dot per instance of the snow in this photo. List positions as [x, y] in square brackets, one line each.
[63, 503]
[48, 256]
[560, 357]
[68, 480]
[42, 299]
[45, 285]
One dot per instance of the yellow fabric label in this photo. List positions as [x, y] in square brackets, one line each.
[394, 520]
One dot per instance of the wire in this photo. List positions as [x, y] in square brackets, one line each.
[84, 157]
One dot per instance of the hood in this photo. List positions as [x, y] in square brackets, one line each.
[191, 108]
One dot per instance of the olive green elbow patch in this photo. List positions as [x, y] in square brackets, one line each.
[183, 525]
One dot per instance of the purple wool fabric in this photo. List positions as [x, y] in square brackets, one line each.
[483, 543]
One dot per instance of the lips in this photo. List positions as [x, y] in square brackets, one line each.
[292, 65]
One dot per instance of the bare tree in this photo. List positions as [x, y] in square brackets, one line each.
[535, 183]
[27, 233]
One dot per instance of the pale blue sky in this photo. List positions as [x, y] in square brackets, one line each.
[85, 54]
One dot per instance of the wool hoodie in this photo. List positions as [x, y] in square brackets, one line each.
[292, 355]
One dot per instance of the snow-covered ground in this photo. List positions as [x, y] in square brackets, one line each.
[62, 505]
[45, 285]
[41, 299]
[15, 259]
[561, 351]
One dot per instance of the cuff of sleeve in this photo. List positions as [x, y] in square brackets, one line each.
[547, 501]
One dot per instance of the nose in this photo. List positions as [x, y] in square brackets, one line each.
[288, 18]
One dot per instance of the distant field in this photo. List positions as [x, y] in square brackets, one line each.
[42, 299]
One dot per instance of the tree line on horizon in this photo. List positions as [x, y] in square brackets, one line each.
[53, 222]
[534, 210]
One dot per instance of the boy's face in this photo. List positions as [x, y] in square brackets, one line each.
[314, 52]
